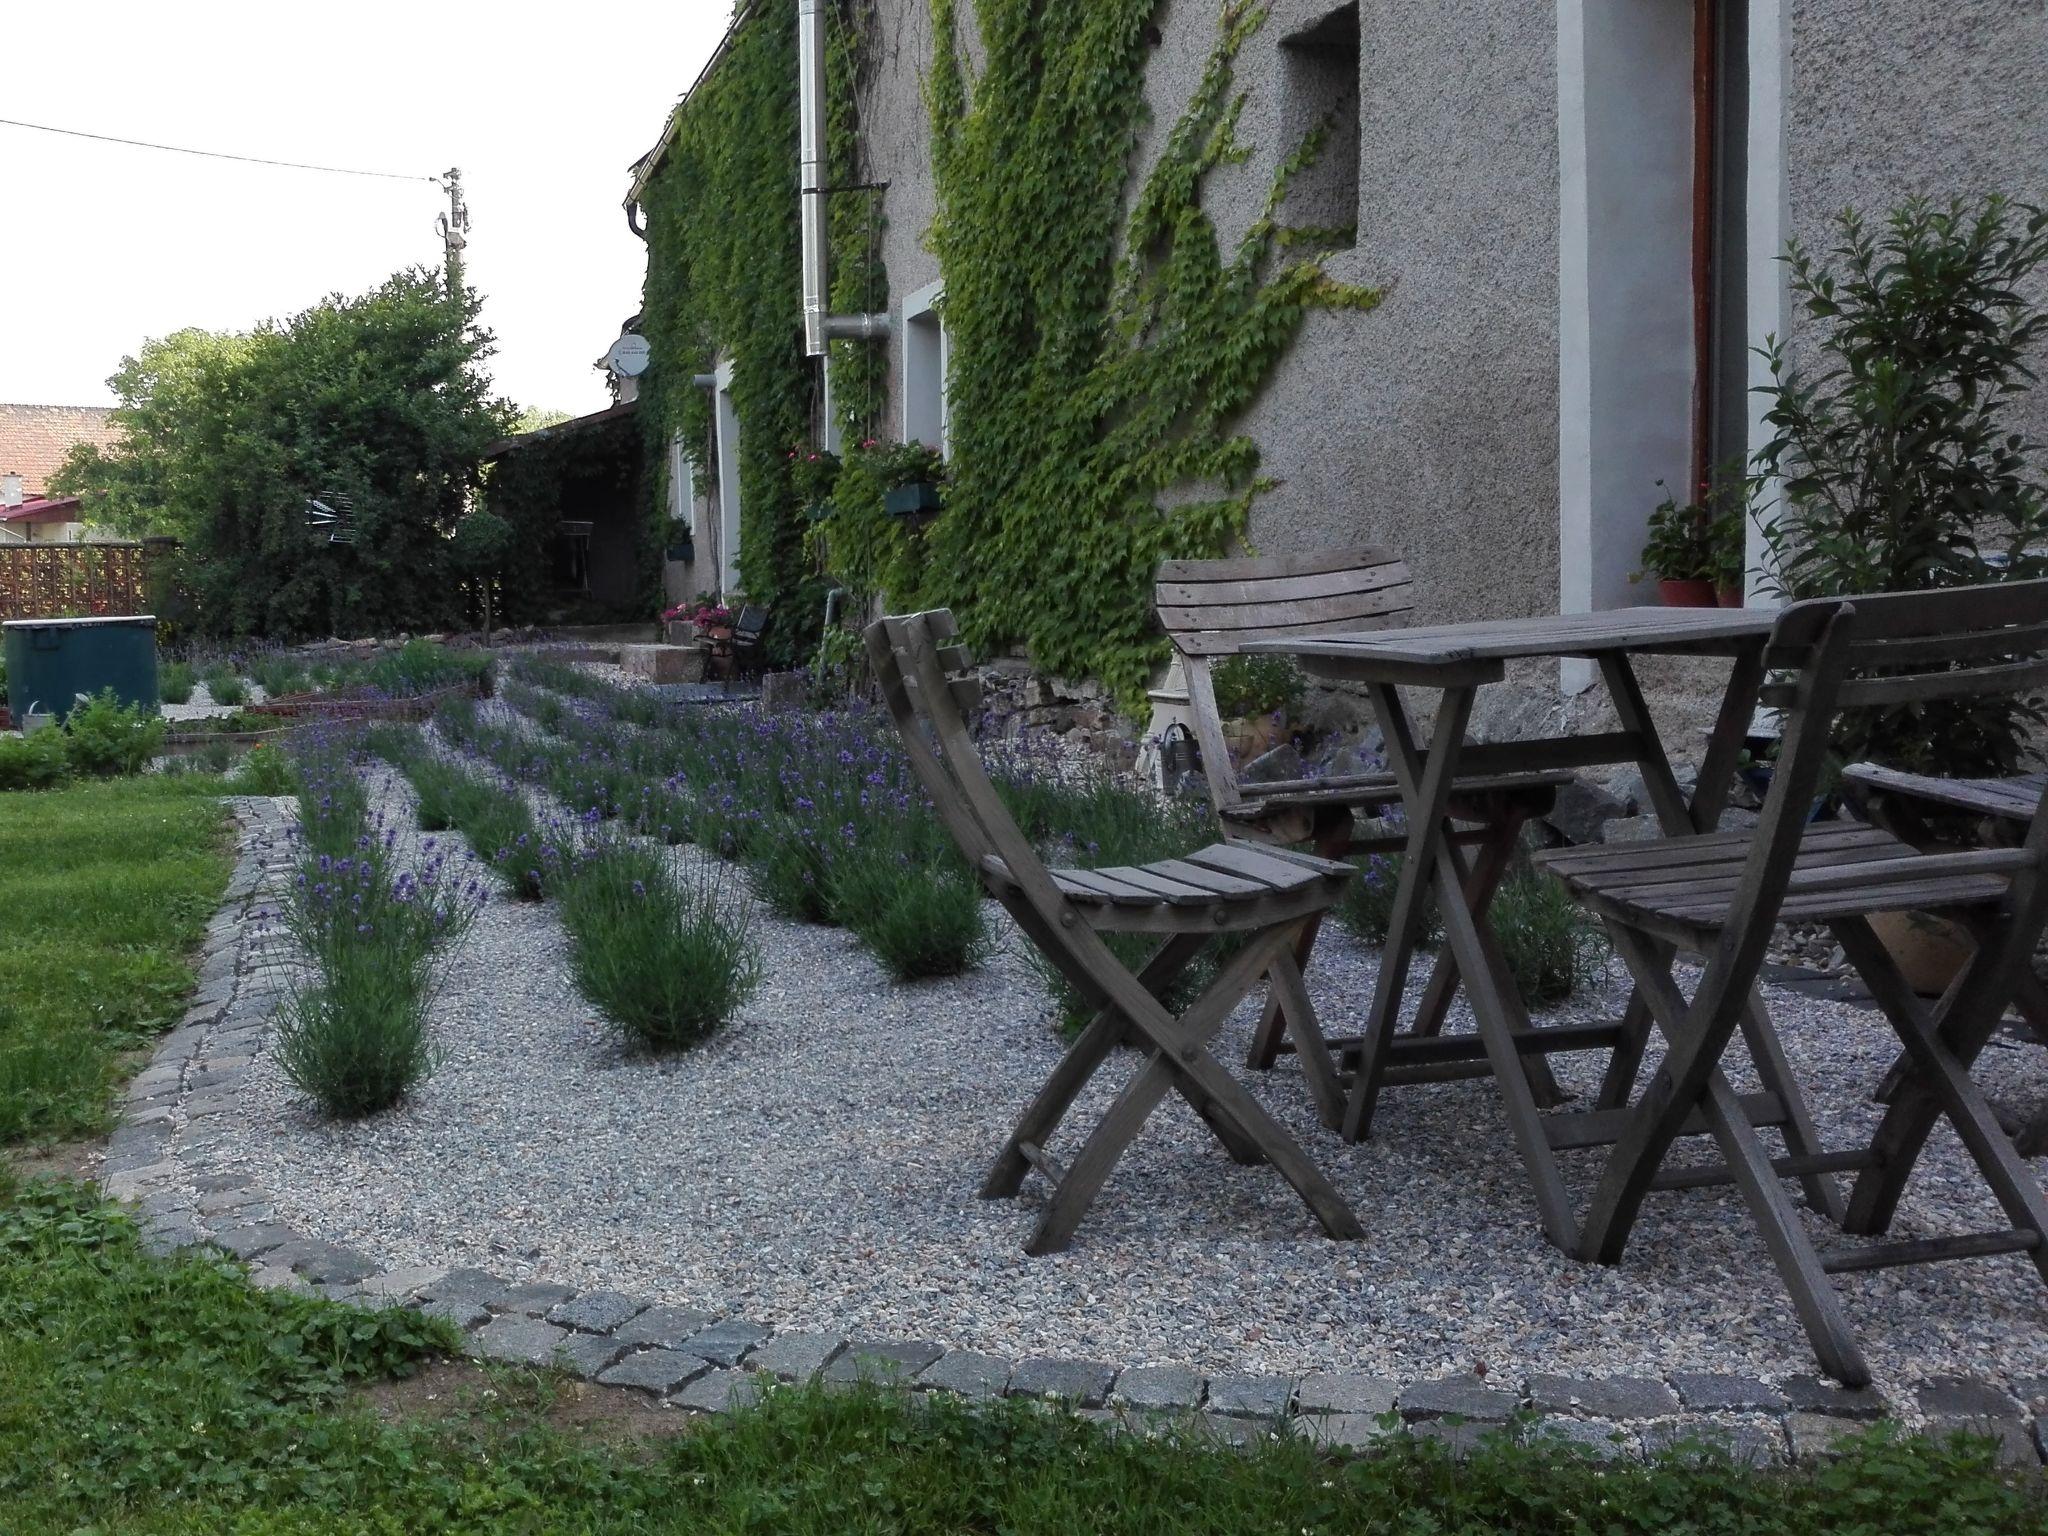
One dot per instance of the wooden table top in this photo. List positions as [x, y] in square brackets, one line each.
[1704, 631]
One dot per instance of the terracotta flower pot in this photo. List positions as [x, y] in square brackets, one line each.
[1686, 594]
[1731, 597]
[1929, 951]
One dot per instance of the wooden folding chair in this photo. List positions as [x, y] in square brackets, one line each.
[1211, 609]
[1262, 895]
[1901, 803]
[1720, 895]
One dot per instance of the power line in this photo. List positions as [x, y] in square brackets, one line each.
[215, 154]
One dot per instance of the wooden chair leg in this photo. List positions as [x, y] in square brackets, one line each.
[1942, 1049]
[1081, 1062]
[1822, 1193]
[1666, 1105]
[1333, 834]
[1181, 1059]
[1311, 1049]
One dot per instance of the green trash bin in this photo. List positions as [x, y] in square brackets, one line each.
[50, 662]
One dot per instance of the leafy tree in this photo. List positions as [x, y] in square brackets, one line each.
[381, 400]
[483, 540]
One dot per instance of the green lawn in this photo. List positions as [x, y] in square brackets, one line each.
[166, 1397]
[105, 888]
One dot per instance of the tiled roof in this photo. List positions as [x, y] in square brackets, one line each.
[61, 509]
[35, 438]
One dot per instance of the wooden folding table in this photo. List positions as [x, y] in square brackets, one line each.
[1455, 661]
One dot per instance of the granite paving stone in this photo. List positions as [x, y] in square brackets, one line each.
[1965, 1397]
[1815, 1394]
[1602, 1397]
[1083, 1382]
[519, 1340]
[325, 1263]
[596, 1311]
[589, 1354]
[2013, 1437]
[719, 1391]
[253, 1241]
[472, 1285]
[1460, 1437]
[1759, 1442]
[659, 1371]
[1158, 1388]
[670, 1327]
[534, 1297]
[795, 1356]
[404, 1282]
[1813, 1435]
[1249, 1395]
[883, 1361]
[966, 1373]
[1604, 1438]
[1708, 1392]
[459, 1310]
[727, 1342]
[1346, 1431]
[1466, 1396]
[1345, 1392]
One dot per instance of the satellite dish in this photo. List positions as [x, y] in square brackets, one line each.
[628, 356]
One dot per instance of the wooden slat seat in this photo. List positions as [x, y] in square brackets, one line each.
[1235, 881]
[1685, 889]
[2013, 799]
[1476, 799]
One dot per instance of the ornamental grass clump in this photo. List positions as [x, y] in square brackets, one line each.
[668, 960]
[352, 1033]
[464, 797]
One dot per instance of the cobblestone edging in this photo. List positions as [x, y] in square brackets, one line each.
[703, 1362]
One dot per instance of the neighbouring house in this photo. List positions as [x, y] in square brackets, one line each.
[574, 492]
[37, 520]
[1571, 214]
[34, 442]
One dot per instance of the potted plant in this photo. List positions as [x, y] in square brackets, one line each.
[1257, 698]
[813, 475]
[712, 618]
[911, 475]
[1679, 554]
[1901, 464]
[682, 541]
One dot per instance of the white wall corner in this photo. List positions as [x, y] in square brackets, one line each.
[1769, 293]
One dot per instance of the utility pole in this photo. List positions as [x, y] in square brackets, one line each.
[453, 226]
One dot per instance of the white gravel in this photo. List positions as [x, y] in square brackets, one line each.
[816, 1167]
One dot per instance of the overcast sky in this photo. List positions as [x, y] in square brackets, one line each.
[542, 106]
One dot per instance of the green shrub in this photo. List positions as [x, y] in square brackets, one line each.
[422, 666]
[103, 738]
[667, 961]
[919, 917]
[792, 870]
[277, 676]
[1260, 685]
[175, 681]
[1552, 946]
[265, 771]
[38, 761]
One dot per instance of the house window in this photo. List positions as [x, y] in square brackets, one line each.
[1319, 68]
[572, 555]
[924, 368]
[727, 424]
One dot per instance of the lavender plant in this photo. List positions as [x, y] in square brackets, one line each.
[668, 961]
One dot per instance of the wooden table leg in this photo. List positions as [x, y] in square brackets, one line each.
[1332, 837]
[1432, 858]
[1426, 795]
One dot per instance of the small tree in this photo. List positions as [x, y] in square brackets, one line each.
[1900, 469]
[481, 543]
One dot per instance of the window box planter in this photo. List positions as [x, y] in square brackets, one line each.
[1686, 594]
[1731, 597]
[920, 498]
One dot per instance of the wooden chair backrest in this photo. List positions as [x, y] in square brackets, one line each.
[1860, 652]
[751, 624]
[1211, 608]
[929, 685]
